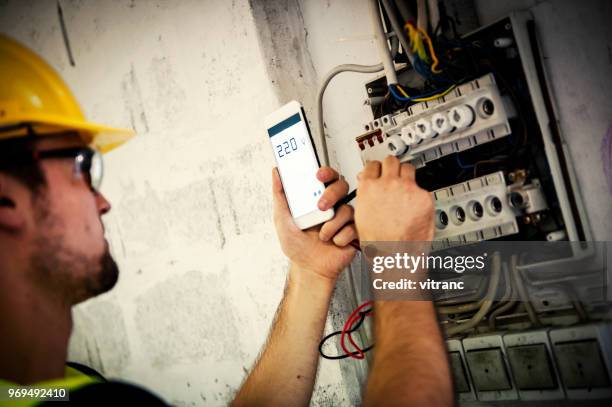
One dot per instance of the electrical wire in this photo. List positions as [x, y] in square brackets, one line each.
[434, 13]
[486, 303]
[330, 75]
[482, 288]
[327, 79]
[398, 30]
[346, 331]
[422, 14]
[381, 40]
[471, 306]
[459, 309]
[426, 97]
[432, 52]
[463, 166]
[362, 316]
[403, 92]
[522, 291]
[507, 302]
[352, 324]
[499, 311]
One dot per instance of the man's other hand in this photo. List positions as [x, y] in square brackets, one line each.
[390, 205]
[325, 249]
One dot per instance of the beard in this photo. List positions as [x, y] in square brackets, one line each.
[68, 273]
[73, 276]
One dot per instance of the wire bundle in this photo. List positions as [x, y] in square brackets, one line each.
[352, 324]
[419, 39]
[425, 62]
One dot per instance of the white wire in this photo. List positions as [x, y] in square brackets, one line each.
[381, 39]
[486, 304]
[434, 14]
[398, 28]
[422, 14]
[381, 42]
[330, 75]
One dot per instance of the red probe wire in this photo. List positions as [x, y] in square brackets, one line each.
[354, 317]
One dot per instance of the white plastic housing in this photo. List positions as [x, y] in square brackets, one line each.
[409, 136]
[461, 117]
[441, 124]
[396, 145]
[423, 129]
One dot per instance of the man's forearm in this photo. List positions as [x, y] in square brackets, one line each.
[410, 365]
[286, 372]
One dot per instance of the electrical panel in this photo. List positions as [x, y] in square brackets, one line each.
[489, 151]
[493, 124]
[483, 137]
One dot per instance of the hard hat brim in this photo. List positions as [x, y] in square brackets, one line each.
[103, 138]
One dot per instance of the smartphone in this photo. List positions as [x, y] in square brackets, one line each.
[297, 162]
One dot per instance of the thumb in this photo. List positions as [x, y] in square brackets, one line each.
[281, 207]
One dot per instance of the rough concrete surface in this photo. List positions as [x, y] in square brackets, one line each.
[191, 225]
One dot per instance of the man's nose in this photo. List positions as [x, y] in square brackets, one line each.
[103, 205]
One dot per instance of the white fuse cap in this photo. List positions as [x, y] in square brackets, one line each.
[395, 145]
[423, 129]
[409, 135]
[440, 124]
[461, 117]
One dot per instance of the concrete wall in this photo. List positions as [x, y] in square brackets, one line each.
[191, 226]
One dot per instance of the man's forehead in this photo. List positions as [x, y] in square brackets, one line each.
[57, 141]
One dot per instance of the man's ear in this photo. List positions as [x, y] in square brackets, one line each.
[11, 215]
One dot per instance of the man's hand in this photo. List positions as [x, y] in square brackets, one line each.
[282, 376]
[324, 250]
[390, 205]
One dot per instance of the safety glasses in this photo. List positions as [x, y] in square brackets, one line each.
[88, 163]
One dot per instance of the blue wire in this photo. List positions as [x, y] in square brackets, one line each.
[411, 98]
[425, 70]
[463, 166]
[398, 97]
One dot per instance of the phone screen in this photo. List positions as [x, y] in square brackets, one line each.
[297, 164]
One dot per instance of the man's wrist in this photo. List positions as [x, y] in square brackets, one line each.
[309, 278]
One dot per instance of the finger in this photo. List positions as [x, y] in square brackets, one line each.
[391, 166]
[408, 171]
[346, 235]
[332, 194]
[281, 207]
[327, 174]
[343, 215]
[371, 170]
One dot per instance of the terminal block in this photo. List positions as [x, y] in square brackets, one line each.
[474, 113]
[474, 210]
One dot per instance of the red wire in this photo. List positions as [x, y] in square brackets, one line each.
[347, 327]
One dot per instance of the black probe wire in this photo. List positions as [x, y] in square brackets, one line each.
[362, 316]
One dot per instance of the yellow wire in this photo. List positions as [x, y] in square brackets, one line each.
[439, 95]
[402, 91]
[431, 51]
[417, 46]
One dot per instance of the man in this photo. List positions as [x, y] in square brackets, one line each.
[53, 255]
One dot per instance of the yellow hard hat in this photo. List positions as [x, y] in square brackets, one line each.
[32, 93]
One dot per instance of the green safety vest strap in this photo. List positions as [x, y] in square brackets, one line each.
[73, 380]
